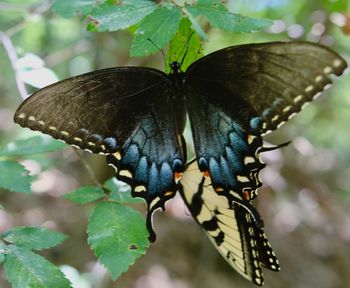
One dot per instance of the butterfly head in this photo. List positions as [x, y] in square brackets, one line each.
[175, 67]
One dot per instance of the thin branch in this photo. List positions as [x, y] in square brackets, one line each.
[11, 52]
[67, 53]
[88, 169]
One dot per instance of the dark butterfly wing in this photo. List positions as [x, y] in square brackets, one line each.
[128, 113]
[275, 79]
[236, 94]
[226, 147]
[229, 226]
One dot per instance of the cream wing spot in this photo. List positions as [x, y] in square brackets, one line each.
[318, 78]
[41, 122]
[287, 109]
[292, 115]
[139, 189]
[53, 128]
[242, 178]
[317, 95]
[309, 88]
[304, 105]
[31, 118]
[298, 98]
[251, 138]
[258, 281]
[117, 155]
[65, 133]
[22, 116]
[275, 118]
[280, 124]
[327, 70]
[78, 139]
[337, 63]
[125, 173]
[257, 272]
[248, 160]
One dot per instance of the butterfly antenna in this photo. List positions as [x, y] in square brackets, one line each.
[185, 47]
[161, 50]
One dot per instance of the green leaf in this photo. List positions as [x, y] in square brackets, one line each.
[336, 6]
[185, 43]
[116, 17]
[120, 191]
[36, 238]
[33, 145]
[14, 177]
[219, 17]
[196, 27]
[24, 268]
[85, 195]
[70, 8]
[117, 234]
[2, 257]
[2, 252]
[155, 31]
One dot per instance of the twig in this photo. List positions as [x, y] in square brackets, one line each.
[67, 53]
[88, 169]
[11, 52]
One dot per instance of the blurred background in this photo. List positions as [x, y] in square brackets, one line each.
[305, 200]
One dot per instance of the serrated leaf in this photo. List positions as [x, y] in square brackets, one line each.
[196, 27]
[33, 145]
[35, 238]
[2, 257]
[155, 31]
[14, 177]
[2, 252]
[120, 191]
[85, 195]
[219, 17]
[117, 234]
[116, 17]
[24, 268]
[69, 8]
[185, 47]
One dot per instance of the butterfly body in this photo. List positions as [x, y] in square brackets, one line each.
[232, 97]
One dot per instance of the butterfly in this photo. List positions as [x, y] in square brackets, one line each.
[136, 117]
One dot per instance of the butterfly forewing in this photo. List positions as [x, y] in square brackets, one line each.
[275, 79]
[230, 227]
[128, 113]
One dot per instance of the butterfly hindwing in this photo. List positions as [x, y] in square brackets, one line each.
[229, 226]
[226, 146]
[274, 79]
[127, 113]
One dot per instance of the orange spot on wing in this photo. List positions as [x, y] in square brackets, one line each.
[246, 195]
[219, 189]
[169, 193]
[206, 173]
[178, 176]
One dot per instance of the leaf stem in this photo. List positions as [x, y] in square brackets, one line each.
[88, 169]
